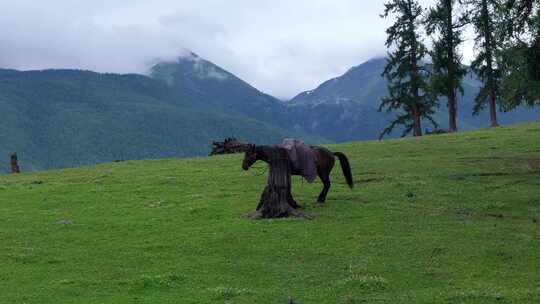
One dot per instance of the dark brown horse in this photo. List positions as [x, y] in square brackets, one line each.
[325, 160]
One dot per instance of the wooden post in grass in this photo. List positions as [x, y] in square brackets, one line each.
[14, 164]
[276, 199]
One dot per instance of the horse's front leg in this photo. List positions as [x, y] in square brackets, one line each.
[326, 187]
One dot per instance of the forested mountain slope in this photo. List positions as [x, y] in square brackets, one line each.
[66, 118]
[345, 108]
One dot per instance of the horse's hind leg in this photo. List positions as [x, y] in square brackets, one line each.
[325, 178]
[324, 168]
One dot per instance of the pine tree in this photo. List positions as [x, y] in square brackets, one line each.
[484, 15]
[447, 70]
[521, 53]
[405, 70]
[520, 16]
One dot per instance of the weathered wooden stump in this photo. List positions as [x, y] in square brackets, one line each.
[276, 200]
[14, 164]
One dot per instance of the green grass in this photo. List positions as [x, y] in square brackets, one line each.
[442, 219]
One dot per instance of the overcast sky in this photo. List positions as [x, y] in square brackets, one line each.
[282, 47]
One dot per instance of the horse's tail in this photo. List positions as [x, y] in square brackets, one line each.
[346, 168]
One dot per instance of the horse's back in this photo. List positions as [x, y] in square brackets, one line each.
[325, 158]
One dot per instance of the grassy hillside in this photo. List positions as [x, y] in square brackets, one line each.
[442, 219]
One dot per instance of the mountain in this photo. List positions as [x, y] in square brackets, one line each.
[220, 89]
[362, 85]
[66, 118]
[345, 108]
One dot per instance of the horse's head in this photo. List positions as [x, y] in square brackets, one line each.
[250, 157]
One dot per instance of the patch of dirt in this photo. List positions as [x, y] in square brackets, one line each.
[474, 160]
[372, 179]
[528, 164]
[501, 216]
[475, 138]
[531, 165]
[460, 176]
[492, 174]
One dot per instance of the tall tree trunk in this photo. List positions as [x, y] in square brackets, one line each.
[452, 113]
[417, 121]
[492, 108]
[452, 102]
[417, 117]
[489, 63]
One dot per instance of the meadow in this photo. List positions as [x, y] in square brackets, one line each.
[439, 219]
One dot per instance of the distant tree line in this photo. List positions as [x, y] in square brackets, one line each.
[507, 58]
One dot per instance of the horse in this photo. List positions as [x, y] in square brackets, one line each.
[324, 158]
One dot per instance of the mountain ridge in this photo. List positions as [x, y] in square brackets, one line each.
[341, 82]
[66, 117]
[342, 100]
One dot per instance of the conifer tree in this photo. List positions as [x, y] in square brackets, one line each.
[521, 53]
[405, 70]
[445, 25]
[484, 16]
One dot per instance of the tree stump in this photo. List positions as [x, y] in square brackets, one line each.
[276, 200]
[14, 164]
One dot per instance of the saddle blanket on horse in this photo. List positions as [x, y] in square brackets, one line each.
[302, 158]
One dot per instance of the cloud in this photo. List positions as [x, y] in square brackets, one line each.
[281, 47]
